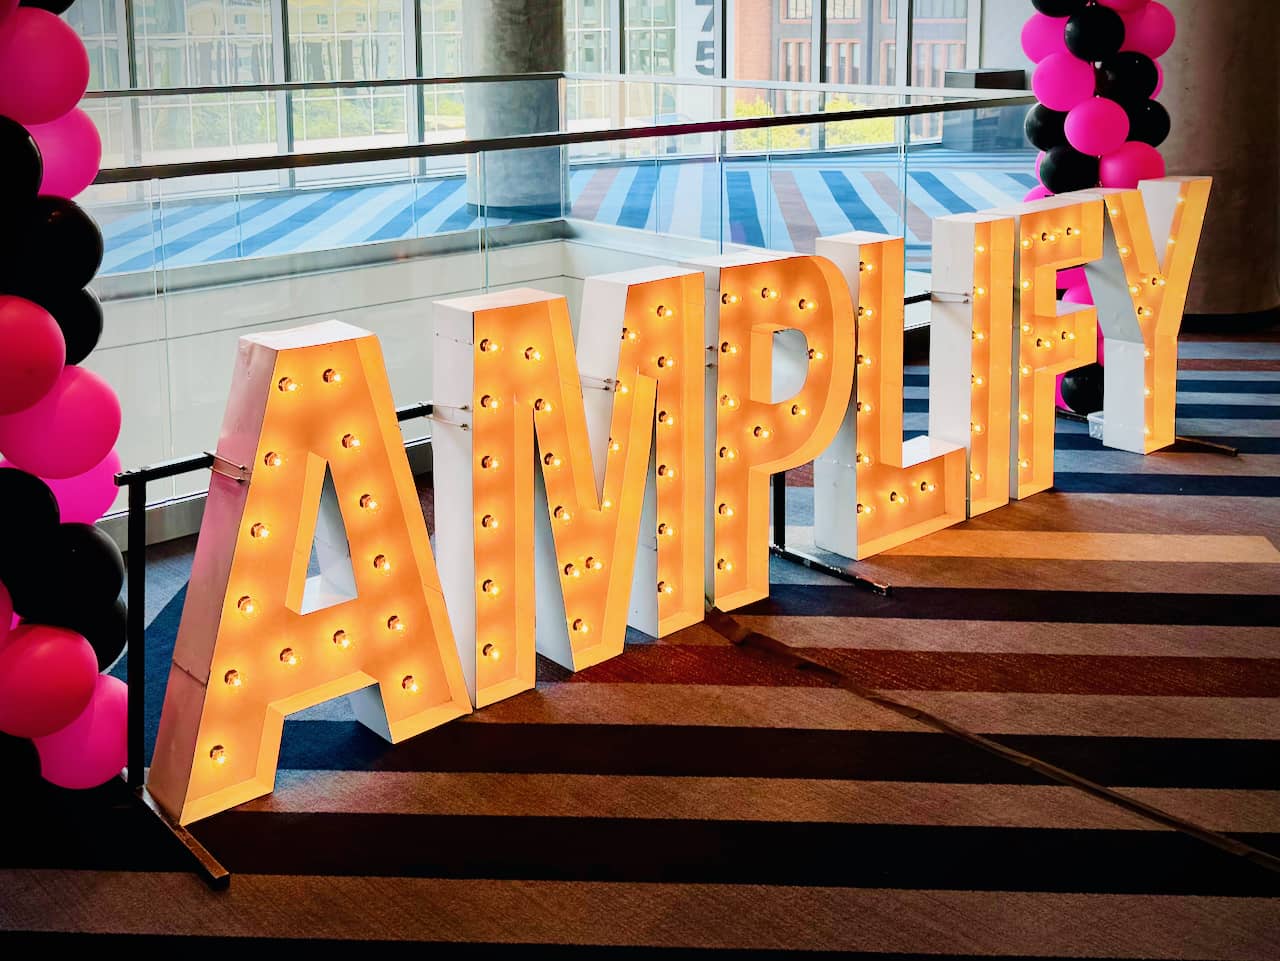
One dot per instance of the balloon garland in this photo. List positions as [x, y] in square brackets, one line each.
[61, 620]
[1097, 122]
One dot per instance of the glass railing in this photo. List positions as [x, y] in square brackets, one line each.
[223, 216]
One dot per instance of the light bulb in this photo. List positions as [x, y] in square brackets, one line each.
[863, 265]
[979, 335]
[862, 459]
[595, 564]
[489, 346]
[410, 684]
[665, 471]
[1124, 251]
[665, 588]
[532, 353]
[491, 652]
[606, 504]
[981, 248]
[1045, 343]
[798, 411]
[489, 402]
[927, 487]
[342, 639]
[728, 348]
[541, 405]
[865, 509]
[1146, 392]
[664, 311]
[332, 376]
[562, 514]
[246, 605]
[762, 432]
[1026, 328]
[490, 587]
[1068, 335]
[368, 502]
[551, 460]
[571, 570]
[581, 626]
[287, 384]
[1134, 289]
[394, 623]
[977, 381]
[350, 441]
[1025, 371]
[980, 291]
[728, 298]
[232, 678]
[261, 531]
[614, 445]
[977, 428]
[863, 360]
[1024, 464]
[489, 462]
[665, 418]
[666, 530]
[724, 510]
[976, 476]
[896, 498]
[816, 354]
[381, 563]
[489, 521]
[1026, 243]
[864, 406]
[806, 304]
[289, 656]
[1024, 417]
[769, 294]
[666, 362]
[728, 453]
[1026, 285]
[218, 754]
[724, 564]
[727, 401]
[629, 335]
[272, 459]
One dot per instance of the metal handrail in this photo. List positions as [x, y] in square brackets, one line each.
[557, 138]
[292, 85]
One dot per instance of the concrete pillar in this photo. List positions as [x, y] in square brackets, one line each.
[510, 37]
[1222, 89]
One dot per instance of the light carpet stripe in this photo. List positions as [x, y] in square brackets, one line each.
[680, 915]
[1088, 546]
[754, 799]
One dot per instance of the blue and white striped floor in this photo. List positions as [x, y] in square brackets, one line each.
[780, 203]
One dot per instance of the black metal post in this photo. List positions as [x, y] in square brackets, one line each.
[136, 628]
[780, 510]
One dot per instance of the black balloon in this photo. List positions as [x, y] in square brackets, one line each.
[70, 577]
[21, 167]
[1082, 389]
[1094, 33]
[104, 629]
[1045, 127]
[1065, 169]
[1058, 8]
[28, 514]
[58, 7]
[79, 315]
[1148, 122]
[51, 246]
[1128, 77]
[21, 765]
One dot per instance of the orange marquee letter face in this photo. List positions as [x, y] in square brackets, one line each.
[1052, 338]
[1140, 289]
[507, 376]
[259, 638]
[757, 434]
[871, 491]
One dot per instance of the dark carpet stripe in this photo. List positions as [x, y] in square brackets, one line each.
[1195, 485]
[639, 199]
[1230, 411]
[730, 852]
[941, 192]
[851, 204]
[694, 751]
[1245, 445]
[1117, 675]
[57, 940]
[982, 604]
[744, 216]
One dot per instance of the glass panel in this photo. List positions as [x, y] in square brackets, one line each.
[773, 40]
[441, 38]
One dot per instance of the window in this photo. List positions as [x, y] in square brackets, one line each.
[650, 28]
[844, 61]
[797, 9]
[844, 9]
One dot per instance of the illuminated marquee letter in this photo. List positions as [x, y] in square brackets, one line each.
[505, 377]
[971, 348]
[1053, 338]
[1140, 290]
[785, 326]
[871, 491]
[306, 405]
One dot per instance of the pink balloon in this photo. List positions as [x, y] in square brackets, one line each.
[32, 353]
[1159, 80]
[6, 613]
[7, 7]
[93, 748]
[47, 676]
[1039, 160]
[1078, 295]
[1131, 163]
[44, 68]
[1038, 192]
[1058, 399]
[1071, 277]
[1101, 344]
[1123, 6]
[1043, 36]
[1061, 81]
[83, 499]
[72, 152]
[1150, 30]
[1098, 126]
[72, 428]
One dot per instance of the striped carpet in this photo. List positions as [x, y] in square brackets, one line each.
[781, 203]
[695, 795]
